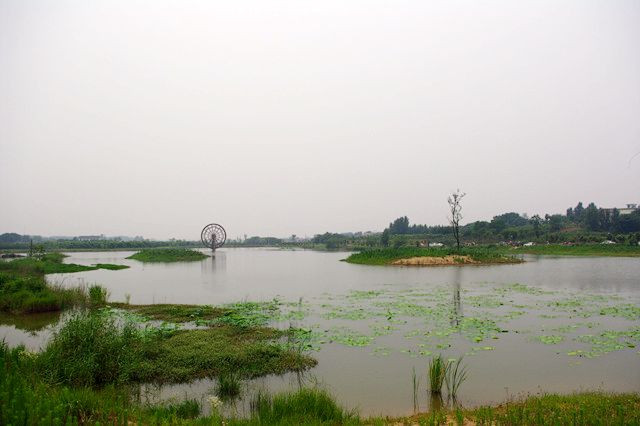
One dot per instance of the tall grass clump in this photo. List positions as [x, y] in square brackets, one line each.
[437, 373]
[26, 400]
[455, 375]
[172, 413]
[91, 349]
[415, 381]
[305, 406]
[228, 386]
[98, 295]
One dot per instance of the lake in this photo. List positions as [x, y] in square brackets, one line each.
[556, 324]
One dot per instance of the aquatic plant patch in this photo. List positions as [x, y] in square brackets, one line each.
[437, 321]
[168, 255]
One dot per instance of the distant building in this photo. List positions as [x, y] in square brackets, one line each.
[623, 210]
[91, 237]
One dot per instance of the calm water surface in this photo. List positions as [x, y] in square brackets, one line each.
[373, 325]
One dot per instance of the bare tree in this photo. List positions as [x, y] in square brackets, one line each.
[455, 208]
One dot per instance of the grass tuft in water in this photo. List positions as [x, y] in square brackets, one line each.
[437, 373]
[229, 385]
[455, 375]
[98, 295]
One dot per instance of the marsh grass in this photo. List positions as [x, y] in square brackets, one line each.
[110, 266]
[91, 349]
[415, 381]
[28, 292]
[171, 312]
[589, 408]
[168, 255]
[616, 250]
[437, 374]
[98, 295]
[192, 354]
[455, 375]
[174, 412]
[305, 406]
[229, 386]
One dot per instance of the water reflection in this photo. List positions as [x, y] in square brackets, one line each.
[215, 264]
[456, 315]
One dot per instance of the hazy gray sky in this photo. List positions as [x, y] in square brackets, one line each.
[281, 117]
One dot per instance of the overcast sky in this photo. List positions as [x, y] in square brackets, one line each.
[156, 117]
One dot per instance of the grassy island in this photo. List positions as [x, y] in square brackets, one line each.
[168, 255]
[413, 256]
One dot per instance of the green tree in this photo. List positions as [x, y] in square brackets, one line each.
[384, 240]
[536, 220]
[591, 217]
[555, 222]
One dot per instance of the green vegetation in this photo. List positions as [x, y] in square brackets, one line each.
[168, 255]
[51, 263]
[304, 407]
[110, 266]
[98, 295]
[173, 313]
[582, 250]
[23, 288]
[455, 375]
[580, 409]
[482, 255]
[92, 350]
[229, 385]
[437, 374]
[193, 354]
[26, 399]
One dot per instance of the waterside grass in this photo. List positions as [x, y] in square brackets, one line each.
[609, 250]
[22, 293]
[386, 256]
[23, 288]
[91, 349]
[168, 255]
[304, 407]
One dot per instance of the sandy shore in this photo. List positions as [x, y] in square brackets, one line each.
[435, 261]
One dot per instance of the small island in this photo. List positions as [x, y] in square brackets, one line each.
[168, 255]
[415, 256]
